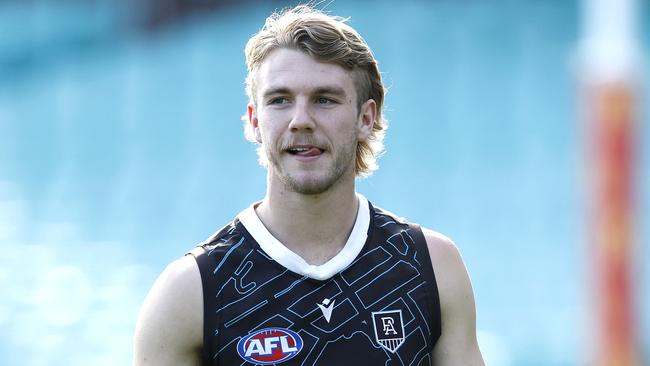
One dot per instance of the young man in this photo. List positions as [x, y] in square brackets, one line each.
[313, 274]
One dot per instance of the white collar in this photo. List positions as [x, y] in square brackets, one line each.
[292, 261]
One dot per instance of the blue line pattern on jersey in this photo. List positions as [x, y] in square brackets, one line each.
[367, 303]
[290, 287]
[246, 313]
[347, 337]
[235, 282]
[225, 257]
[255, 292]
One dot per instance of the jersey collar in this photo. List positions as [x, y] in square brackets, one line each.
[292, 261]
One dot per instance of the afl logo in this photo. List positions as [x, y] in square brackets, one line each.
[269, 346]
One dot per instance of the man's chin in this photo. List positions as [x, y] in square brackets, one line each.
[309, 186]
[309, 183]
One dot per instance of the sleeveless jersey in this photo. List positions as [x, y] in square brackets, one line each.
[375, 303]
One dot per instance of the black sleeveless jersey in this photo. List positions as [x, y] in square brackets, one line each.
[375, 303]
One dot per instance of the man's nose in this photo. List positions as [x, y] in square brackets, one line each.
[302, 119]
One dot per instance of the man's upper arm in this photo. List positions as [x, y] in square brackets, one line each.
[169, 330]
[457, 344]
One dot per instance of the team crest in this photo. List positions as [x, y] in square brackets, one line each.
[389, 329]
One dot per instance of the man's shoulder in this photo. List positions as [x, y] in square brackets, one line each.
[383, 215]
[178, 278]
[440, 246]
[169, 327]
[443, 250]
[449, 268]
[437, 241]
[433, 238]
[226, 236]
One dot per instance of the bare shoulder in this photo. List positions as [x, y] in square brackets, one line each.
[444, 252]
[457, 344]
[451, 275]
[169, 330]
[438, 241]
[449, 268]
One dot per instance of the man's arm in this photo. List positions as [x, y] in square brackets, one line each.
[169, 330]
[457, 344]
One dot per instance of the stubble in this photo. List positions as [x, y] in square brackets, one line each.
[316, 182]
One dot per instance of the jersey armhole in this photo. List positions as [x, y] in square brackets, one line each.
[201, 257]
[429, 276]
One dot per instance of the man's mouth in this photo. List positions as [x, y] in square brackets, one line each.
[305, 151]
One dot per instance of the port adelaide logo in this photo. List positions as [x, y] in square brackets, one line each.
[269, 346]
[389, 329]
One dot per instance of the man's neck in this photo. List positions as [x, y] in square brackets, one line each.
[316, 227]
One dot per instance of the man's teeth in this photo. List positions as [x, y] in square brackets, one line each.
[299, 149]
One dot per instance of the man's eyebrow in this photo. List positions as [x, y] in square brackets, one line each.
[330, 90]
[274, 91]
[326, 89]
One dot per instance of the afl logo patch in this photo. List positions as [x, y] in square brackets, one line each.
[269, 346]
[389, 329]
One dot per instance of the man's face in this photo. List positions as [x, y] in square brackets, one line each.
[307, 121]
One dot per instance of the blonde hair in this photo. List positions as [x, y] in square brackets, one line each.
[328, 39]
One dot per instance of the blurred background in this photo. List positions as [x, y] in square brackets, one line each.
[121, 148]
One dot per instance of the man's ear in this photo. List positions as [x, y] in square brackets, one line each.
[254, 122]
[366, 121]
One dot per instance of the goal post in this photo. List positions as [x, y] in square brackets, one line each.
[609, 74]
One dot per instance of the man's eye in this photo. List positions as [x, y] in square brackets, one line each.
[279, 100]
[323, 100]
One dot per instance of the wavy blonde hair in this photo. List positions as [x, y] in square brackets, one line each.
[328, 39]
